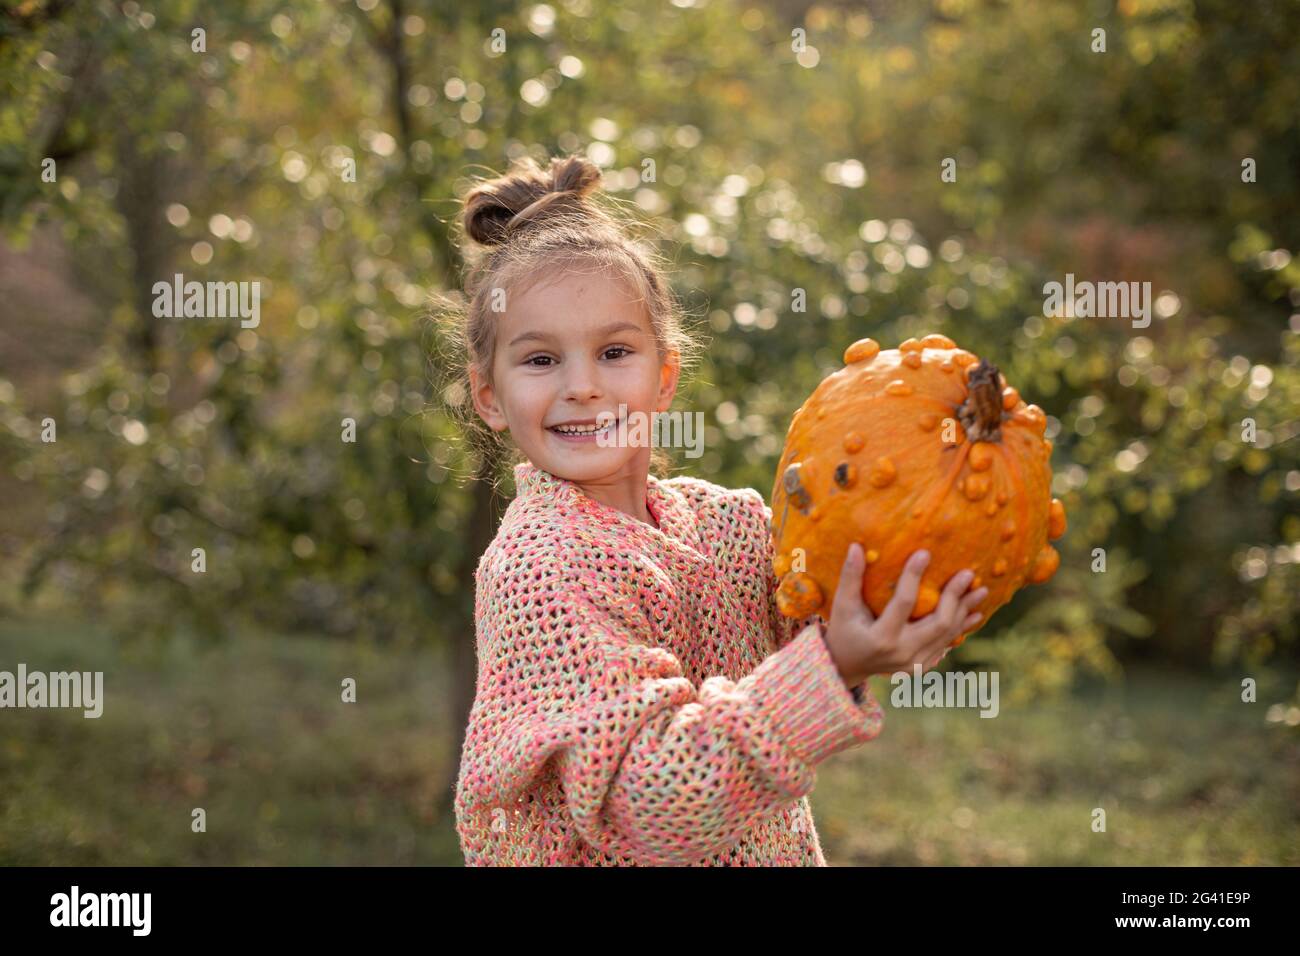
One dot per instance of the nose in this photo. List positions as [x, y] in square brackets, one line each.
[581, 382]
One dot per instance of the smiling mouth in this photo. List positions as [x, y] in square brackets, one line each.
[578, 431]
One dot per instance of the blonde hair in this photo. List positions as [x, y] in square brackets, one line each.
[532, 224]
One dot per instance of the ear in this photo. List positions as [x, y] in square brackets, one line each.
[485, 401]
[669, 373]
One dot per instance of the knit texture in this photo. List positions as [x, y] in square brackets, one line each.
[640, 700]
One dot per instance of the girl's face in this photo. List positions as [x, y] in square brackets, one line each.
[567, 351]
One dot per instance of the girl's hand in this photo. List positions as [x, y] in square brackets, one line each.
[862, 645]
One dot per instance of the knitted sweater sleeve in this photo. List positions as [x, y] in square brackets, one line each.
[651, 767]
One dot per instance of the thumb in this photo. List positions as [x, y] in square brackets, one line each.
[849, 592]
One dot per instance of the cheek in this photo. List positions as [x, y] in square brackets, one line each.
[532, 400]
[652, 375]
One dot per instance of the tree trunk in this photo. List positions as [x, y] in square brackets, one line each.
[487, 508]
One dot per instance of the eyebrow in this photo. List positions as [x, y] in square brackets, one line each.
[607, 330]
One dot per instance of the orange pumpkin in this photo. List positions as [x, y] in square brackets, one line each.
[923, 446]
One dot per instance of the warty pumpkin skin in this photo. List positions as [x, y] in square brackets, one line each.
[923, 446]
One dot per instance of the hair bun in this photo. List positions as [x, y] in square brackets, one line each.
[497, 209]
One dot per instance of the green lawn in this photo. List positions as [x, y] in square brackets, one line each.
[1187, 774]
[255, 733]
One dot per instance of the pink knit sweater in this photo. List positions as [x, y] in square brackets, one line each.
[640, 701]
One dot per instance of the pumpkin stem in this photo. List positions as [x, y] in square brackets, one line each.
[981, 413]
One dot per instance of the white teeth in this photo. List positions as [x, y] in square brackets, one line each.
[581, 429]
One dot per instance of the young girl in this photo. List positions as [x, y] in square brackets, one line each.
[640, 700]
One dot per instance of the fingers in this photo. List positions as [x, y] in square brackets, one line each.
[945, 642]
[954, 603]
[928, 640]
[848, 593]
[954, 615]
[964, 615]
[949, 600]
[899, 608]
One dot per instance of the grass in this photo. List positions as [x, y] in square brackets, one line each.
[254, 732]
[1186, 773]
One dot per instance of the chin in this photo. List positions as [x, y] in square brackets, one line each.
[581, 470]
[585, 466]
